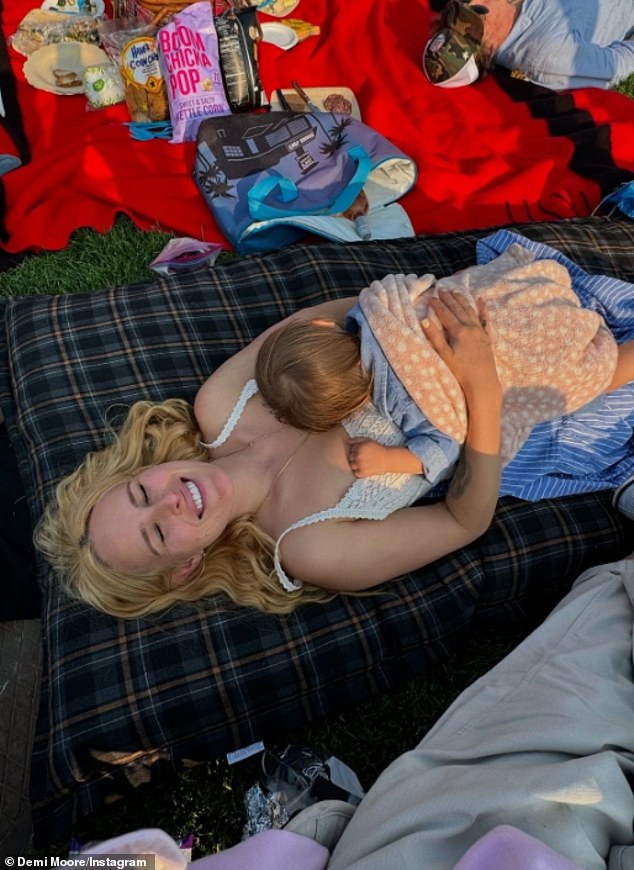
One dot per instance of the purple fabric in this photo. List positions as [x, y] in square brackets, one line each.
[269, 850]
[506, 846]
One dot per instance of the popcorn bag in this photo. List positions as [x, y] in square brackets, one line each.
[189, 59]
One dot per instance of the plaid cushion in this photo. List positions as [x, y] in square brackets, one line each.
[117, 697]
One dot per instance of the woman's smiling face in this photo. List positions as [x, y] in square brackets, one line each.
[162, 517]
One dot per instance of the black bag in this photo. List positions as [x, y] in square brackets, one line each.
[239, 32]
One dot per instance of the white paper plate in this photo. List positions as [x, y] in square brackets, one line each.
[71, 56]
[73, 7]
[279, 34]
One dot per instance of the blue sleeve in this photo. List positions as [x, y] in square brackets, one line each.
[597, 63]
[352, 320]
[437, 451]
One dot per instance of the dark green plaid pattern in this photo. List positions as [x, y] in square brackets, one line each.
[195, 684]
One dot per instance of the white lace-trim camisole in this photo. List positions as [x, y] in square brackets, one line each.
[368, 498]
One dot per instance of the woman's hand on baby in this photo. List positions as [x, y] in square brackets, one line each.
[462, 341]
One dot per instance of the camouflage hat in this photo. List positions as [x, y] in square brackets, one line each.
[449, 56]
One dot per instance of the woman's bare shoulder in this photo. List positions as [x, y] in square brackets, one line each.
[218, 395]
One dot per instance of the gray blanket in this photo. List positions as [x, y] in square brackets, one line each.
[544, 741]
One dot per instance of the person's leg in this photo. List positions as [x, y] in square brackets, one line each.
[542, 742]
[324, 822]
[621, 858]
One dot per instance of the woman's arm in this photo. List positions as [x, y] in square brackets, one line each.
[348, 555]
[474, 487]
[216, 398]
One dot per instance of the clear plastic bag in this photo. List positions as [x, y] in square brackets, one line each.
[103, 85]
[40, 27]
[131, 45]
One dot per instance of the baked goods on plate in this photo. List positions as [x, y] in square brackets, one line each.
[59, 68]
[337, 99]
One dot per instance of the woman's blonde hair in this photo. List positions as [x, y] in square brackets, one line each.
[238, 564]
[310, 375]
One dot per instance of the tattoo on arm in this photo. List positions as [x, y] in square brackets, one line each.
[461, 477]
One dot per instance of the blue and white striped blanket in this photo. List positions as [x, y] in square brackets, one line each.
[593, 448]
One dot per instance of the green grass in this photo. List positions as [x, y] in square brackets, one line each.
[626, 86]
[89, 262]
[208, 800]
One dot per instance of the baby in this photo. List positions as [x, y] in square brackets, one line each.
[311, 375]
[553, 357]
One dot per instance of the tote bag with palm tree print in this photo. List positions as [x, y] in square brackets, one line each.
[271, 178]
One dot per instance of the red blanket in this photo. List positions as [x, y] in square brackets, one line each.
[497, 152]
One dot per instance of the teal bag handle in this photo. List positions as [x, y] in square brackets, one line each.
[262, 211]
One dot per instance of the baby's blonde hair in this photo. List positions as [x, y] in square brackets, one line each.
[310, 375]
[238, 564]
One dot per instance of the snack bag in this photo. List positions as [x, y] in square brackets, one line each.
[188, 50]
[103, 85]
[131, 43]
[239, 32]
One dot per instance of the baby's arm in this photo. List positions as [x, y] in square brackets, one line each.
[367, 457]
